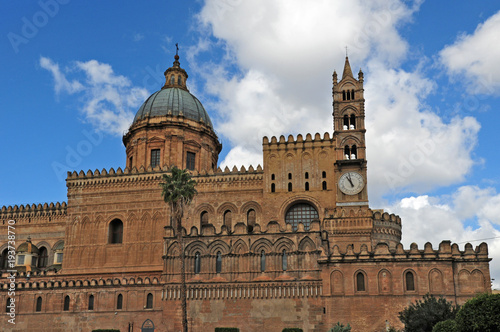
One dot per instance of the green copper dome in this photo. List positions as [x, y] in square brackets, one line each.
[173, 101]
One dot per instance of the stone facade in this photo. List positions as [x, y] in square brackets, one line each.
[291, 244]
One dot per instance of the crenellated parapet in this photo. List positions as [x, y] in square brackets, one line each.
[34, 212]
[381, 251]
[149, 174]
[299, 142]
[386, 228]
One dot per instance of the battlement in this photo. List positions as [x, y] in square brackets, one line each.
[291, 142]
[446, 251]
[33, 210]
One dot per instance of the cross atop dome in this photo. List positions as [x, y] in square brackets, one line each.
[175, 76]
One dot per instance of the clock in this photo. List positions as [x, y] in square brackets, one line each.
[351, 183]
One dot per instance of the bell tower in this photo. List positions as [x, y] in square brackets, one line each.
[349, 128]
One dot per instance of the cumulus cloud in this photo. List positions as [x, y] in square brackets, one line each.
[286, 51]
[469, 215]
[109, 100]
[476, 55]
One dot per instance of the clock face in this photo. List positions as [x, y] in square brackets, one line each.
[351, 183]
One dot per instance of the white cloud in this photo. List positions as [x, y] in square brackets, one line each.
[476, 55]
[110, 100]
[434, 219]
[286, 51]
[61, 84]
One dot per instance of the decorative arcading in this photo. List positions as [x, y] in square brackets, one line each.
[300, 141]
[33, 210]
[44, 280]
[154, 174]
[247, 291]
[446, 251]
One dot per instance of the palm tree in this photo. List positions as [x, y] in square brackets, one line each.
[178, 190]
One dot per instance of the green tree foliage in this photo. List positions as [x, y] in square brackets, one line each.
[449, 325]
[340, 328]
[481, 314]
[178, 190]
[422, 315]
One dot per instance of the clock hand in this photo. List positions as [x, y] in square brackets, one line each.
[349, 179]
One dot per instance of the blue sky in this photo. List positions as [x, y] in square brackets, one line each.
[74, 74]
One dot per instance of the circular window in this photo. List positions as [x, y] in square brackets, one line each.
[301, 212]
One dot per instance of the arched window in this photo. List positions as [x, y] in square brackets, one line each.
[91, 302]
[352, 94]
[38, 304]
[301, 212]
[262, 261]
[119, 302]
[354, 152]
[273, 187]
[409, 281]
[323, 184]
[289, 176]
[289, 186]
[7, 304]
[43, 258]
[172, 79]
[307, 186]
[179, 80]
[284, 261]
[360, 282]
[306, 175]
[66, 303]
[218, 262]
[149, 301]
[273, 177]
[346, 122]
[343, 95]
[197, 263]
[352, 125]
[348, 95]
[204, 218]
[251, 218]
[4, 260]
[347, 152]
[115, 231]
[228, 218]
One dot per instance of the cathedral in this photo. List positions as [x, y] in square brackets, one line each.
[289, 244]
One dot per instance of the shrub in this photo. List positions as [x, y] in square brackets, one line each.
[481, 313]
[340, 328]
[227, 329]
[292, 329]
[449, 325]
[421, 316]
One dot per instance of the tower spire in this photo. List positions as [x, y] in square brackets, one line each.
[175, 76]
[347, 68]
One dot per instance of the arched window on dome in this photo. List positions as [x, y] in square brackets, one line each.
[172, 79]
[179, 80]
[115, 233]
[301, 212]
